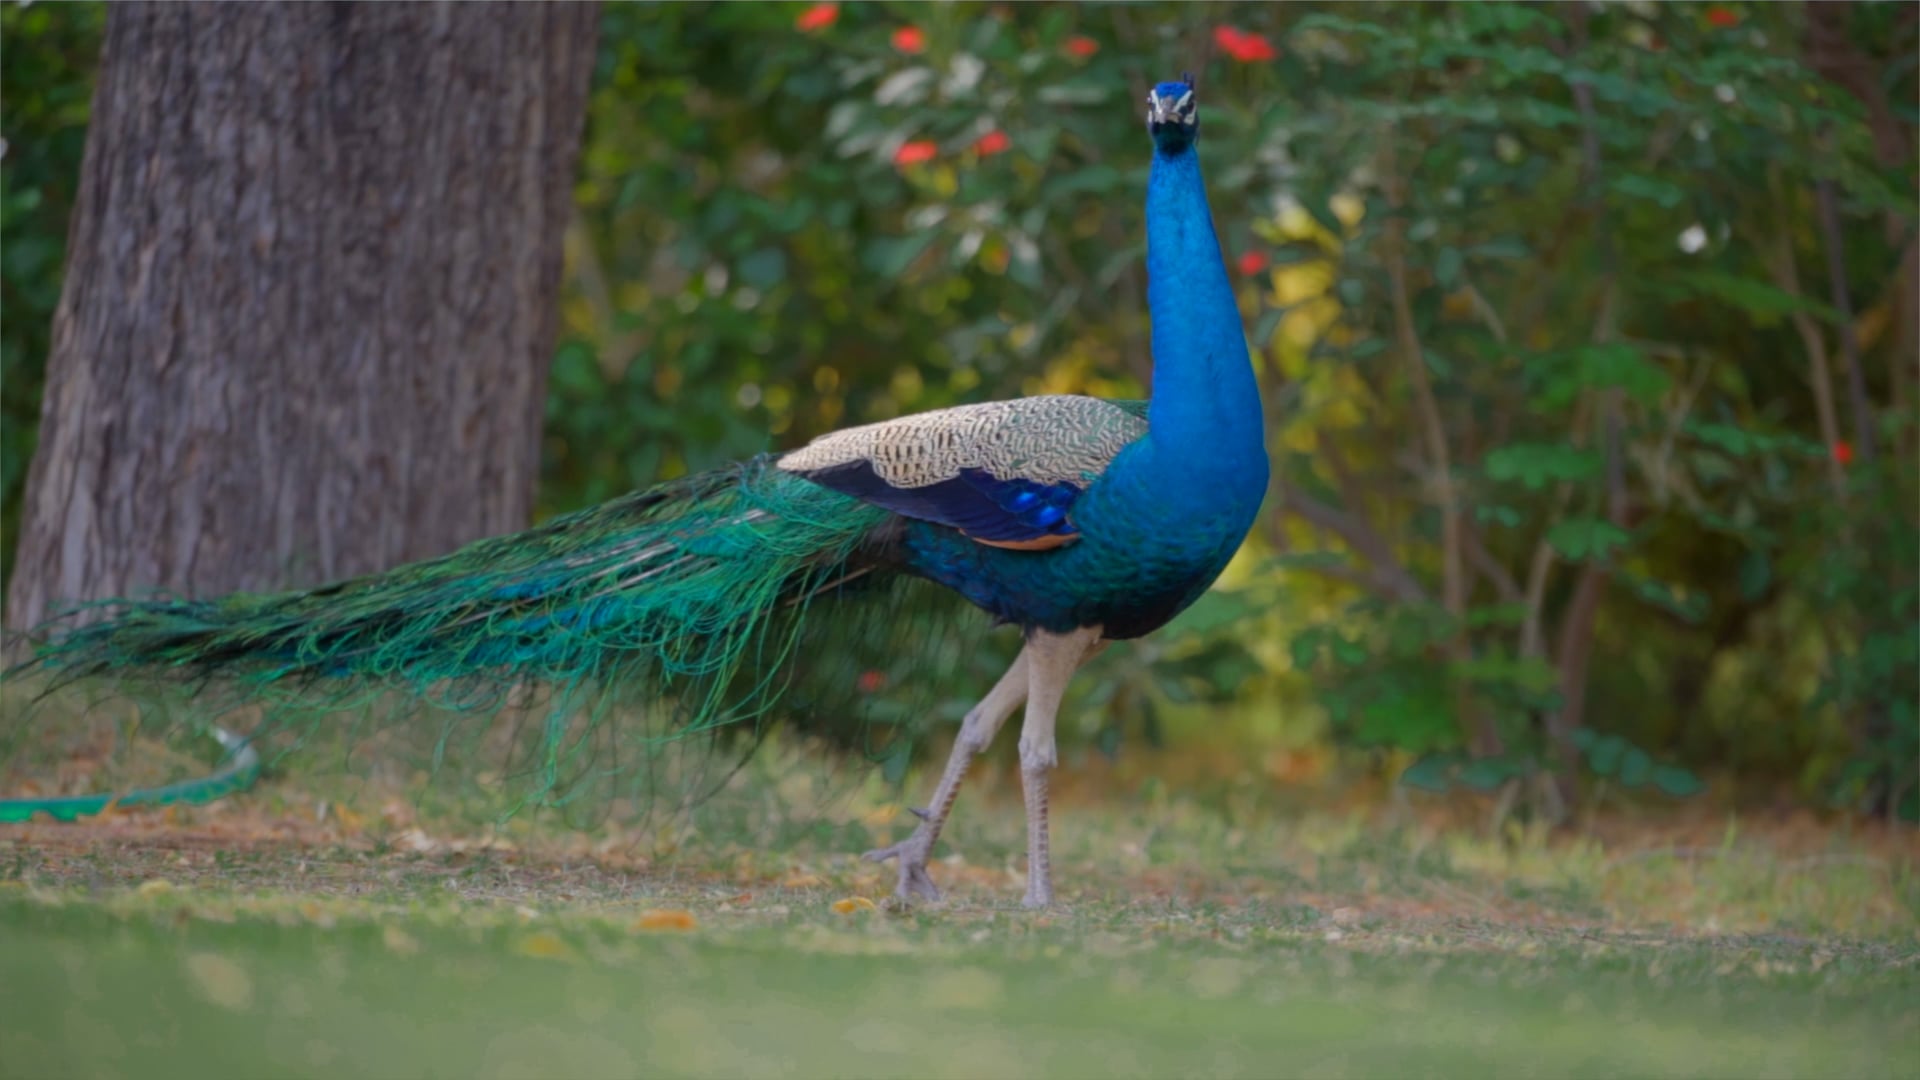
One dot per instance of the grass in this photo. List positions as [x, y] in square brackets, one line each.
[323, 928]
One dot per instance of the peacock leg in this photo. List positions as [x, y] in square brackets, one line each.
[976, 732]
[1051, 662]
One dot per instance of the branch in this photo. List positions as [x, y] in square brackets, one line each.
[1676, 417]
[1453, 588]
[1433, 429]
[617, 349]
[1389, 576]
[1785, 278]
[1835, 245]
[1577, 624]
[1483, 561]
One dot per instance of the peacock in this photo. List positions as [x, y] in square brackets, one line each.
[1080, 520]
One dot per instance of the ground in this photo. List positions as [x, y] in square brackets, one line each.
[1208, 927]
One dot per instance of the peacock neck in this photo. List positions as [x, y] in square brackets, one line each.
[1205, 406]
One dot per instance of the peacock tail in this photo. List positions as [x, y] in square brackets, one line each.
[697, 603]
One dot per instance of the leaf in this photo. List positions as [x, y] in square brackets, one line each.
[1677, 782]
[1605, 754]
[221, 981]
[1485, 774]
[1321, 210]
[1175, 688]
[1675, 600]
[1505, 516]
[1636, 768]
[1497, 615]
[1216, 610]
[763, 268]
[1309, 560]
[1350, 653]
[1074, 93]
[1623, 367]
[1535, 465]
[894, 762]
[544, 945]
[1527, 673]
[1430, 773]
[1269, 324]
[1446, 267]
[1305, 648]
[1601, 367]
[1099, 179]
[1504, 248]
[854, 904]
[1587, 539]
[889, 257]
[1726, 437]
[1641, 186]
[1756, 573]
[673, 920]
[1758, 298]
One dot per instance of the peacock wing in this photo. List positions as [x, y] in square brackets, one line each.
[1005, 473]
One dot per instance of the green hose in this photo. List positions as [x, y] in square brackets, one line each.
[239, 769]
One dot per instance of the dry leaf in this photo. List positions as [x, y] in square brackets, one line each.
[545, 945]
[852, 904]
[399, 941]
[224, 982]
[155, 887]
[665, 920]
[416, 841]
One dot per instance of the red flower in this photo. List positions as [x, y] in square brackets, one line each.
[817, 17]
[1722, 18]
[1242, 46]
[1082, 46]
[1251, 262]
[993, 142]
[910, 40]
[1843, 452]
[872, 681]
[917, 152]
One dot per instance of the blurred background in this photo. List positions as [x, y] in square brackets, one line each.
[1586, 335]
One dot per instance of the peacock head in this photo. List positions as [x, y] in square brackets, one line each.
[1173, 116]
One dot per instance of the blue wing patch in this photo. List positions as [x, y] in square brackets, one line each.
[975, 502]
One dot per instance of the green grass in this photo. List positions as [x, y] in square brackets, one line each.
[91, 991]
[310, 929]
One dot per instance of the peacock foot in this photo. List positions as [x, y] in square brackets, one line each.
[915, 883]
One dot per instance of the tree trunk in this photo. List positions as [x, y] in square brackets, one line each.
[310, 298]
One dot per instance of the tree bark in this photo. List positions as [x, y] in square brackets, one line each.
[310, 298]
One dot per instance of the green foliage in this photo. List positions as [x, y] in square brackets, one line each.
[1602, 222]
[1597, 227]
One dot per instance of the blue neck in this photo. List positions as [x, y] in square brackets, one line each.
[1205, 409]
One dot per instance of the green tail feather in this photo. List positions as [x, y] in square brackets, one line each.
[696, 602]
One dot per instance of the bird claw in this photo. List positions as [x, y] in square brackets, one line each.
[914, 883]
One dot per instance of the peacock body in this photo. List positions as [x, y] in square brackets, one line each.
[1079, 520]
